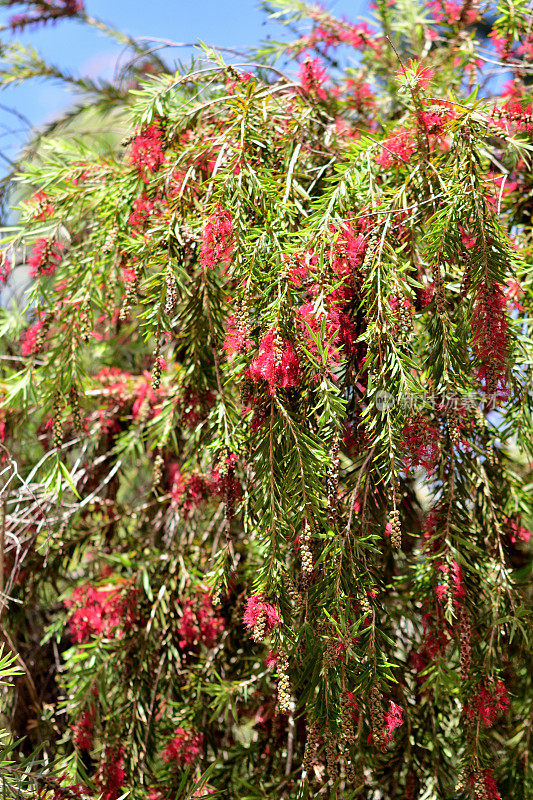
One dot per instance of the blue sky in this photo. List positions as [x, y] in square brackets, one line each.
[226, 23]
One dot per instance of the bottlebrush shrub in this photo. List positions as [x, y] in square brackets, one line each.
[267, 433]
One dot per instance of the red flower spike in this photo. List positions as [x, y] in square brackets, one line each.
[146, 153]
[490, 339]
[255, 607]
[218, 240]
[276, 363]
[184, 748]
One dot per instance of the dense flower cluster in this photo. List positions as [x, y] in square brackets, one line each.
[331, 32]
[488, 784]
[45, 257]
[456, 584]
[238, 337]
[256, 610]
[518, 533]
[30, 338]
[218, 239]
[198, 622]
[392, 719]
[310, 327]
[143, 212]
[421, 443]
[188, 490]
[490, 337]
[224, 484]
[488, 704]
[83, 729]
[5, 268]
[146, 152]
[52, 790]
[398, 149]
[236, 79]
[185, 747]
[111, 776]
[41, 206]
[276, 362]
[312, 78]
[101, 611]
[451, 11]
[435, 640]
[388, 722]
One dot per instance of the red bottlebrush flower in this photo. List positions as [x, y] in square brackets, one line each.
[218, 240]
[129, 275]
[346, 331]
[353, 705]
[83, 729]
[434, 643]
[66, 792]
[468, 238]
[517, 533]
[421, 444]
[255, 608]
[199, 624]
[146, 153]
[360, 35]
[45, 257]
[271, 660]
[5, 268]
[237, 338]
[162, 363]
[489, 327]
[347, 254]
[188, 491]
[239, 77]
[144, 396]
[30, 337]
[514, 116]
[512, 293]
[298, 275]
[457, 588]
[491, 787]
[276, 362]
[397, 149]
[335, 33]
[223, 481]
[434, 121]
[359, 96]
[143, 210]
[488, 705]
[110, 776]
[449, 11]
[423, 76]
[400, 304]
[425, 294]
[101, 611]
[312, 76]
[42, 208]
[184, 748]
[392, 719]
